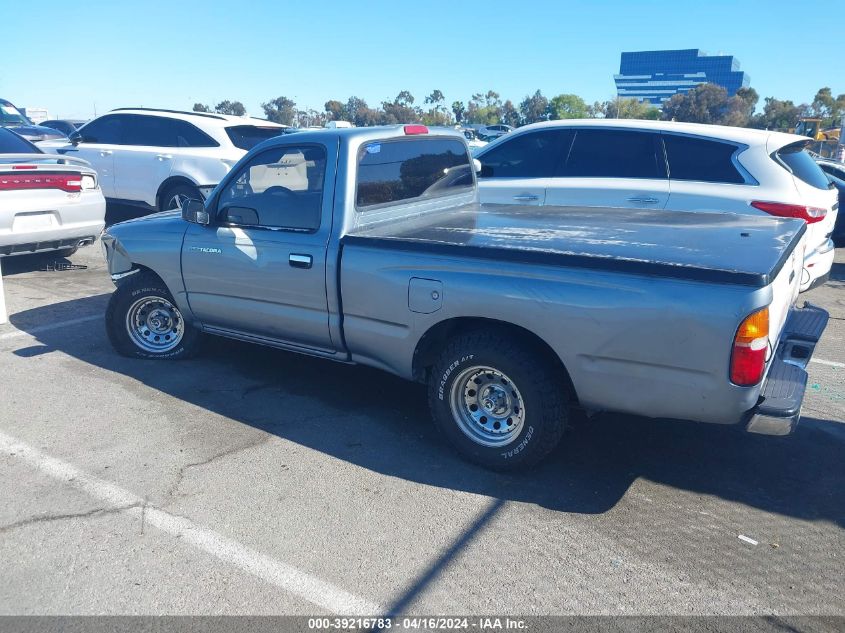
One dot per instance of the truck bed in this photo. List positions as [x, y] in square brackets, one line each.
[715, 247]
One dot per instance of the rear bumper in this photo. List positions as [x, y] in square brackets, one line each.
[817, 266]
[43, 225]
[779, 408]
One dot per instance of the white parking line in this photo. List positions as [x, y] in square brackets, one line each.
[829, 363]
[47, 328]
[275, 572]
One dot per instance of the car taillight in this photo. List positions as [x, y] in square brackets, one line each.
[751, 345]
[71, 182]
[809, 214]
[416, 129]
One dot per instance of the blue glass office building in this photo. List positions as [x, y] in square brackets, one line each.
[654, 76]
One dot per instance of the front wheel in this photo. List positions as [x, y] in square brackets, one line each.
[143, 321]
[174, 197]
[497, 401]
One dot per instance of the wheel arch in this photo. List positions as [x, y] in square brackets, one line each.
[435, 338]
[171, 182]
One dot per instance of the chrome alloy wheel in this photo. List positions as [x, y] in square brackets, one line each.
[175, 202]
[487, 406]
[154, 324]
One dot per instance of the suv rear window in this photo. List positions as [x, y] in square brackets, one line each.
[403, 169]
[701, 160]
[802, 165]
[248, 136]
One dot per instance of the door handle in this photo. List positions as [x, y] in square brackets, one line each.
[300, 261]
[164, 156]
[105, 152]
[643, 199]
[527, 197]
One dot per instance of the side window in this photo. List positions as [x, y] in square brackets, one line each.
[534, 155]
[701, 159]
[107, 130]
[615, 154]
[278, 188]
[189, 135]
[151, 131]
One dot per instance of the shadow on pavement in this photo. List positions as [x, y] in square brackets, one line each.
[381, 423]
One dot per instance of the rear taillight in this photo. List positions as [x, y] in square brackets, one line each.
[416, 129]
[751, 345]
[71, 182]
[809, 214]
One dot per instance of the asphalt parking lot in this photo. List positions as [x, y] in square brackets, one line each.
[254, 481]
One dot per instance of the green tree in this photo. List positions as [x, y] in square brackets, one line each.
[628, 108]
[459, 110]
[280, 110]
[438, 114]
[510, 115]
[360, 114]
[567, 106]
[230, 107]
[400, 110]
[706, 103]
[201, 107]
[777, 115]
[485, 109]
[534, 108]
[335, 110]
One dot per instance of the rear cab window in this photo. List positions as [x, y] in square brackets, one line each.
[701, 160]
[248, 136]
[404, 169]
[802, 165]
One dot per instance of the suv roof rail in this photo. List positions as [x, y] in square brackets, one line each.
[208, 115]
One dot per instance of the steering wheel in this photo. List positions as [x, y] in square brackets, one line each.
[277, 189]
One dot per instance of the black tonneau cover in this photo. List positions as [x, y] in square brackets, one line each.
[717, 247]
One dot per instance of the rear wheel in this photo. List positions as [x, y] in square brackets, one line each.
[143, 321]
[497, 401]
[175, 196]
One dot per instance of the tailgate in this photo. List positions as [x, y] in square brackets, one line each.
[785, 291]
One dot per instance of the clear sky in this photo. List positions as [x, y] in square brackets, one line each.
[71, 57]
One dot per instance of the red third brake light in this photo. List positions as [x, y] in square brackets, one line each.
[69, 182]
[809, 214]
[416, 129]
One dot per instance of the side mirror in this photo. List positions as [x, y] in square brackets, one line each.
[75, 138]
[476, 165]
[194, 211]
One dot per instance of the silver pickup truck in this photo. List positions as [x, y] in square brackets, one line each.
[369, 246]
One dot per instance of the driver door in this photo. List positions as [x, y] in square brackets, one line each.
[259, 269]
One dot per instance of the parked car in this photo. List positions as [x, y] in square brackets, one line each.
[47, 202]
[838, 236]
[492, 132]
[666, 165]
[156, 159]
[65, 126]
[368, 246]
[15, 120]
[832, 167]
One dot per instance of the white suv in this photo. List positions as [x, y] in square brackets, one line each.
[665, 165]
[159, 158]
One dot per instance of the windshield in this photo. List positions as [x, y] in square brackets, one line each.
[10, 115]
[248, 136]
[11, 143]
